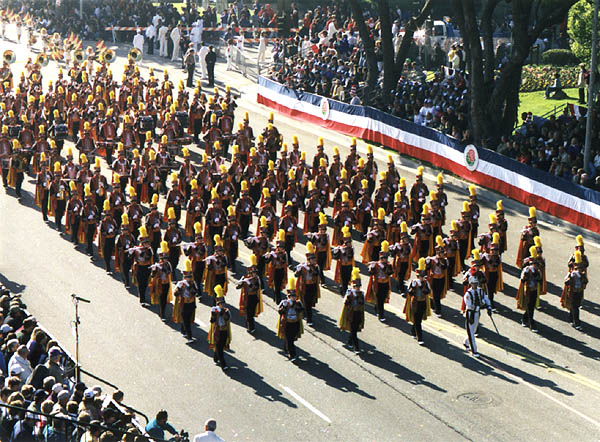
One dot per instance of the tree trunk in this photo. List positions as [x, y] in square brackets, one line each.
[389, 75]
[369, 49]
[407, 40]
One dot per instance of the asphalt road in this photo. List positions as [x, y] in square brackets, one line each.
[524, 387]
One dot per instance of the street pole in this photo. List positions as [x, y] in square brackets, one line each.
[587, 153]
[81, 9]
[77, 372]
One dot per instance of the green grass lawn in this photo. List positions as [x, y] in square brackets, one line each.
[536, 103]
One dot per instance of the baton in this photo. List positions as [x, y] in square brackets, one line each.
[497, 332]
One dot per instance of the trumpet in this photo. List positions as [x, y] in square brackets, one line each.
[42, 60]
[79, 55]
[109, 56]
[9, 56]
[135, 54]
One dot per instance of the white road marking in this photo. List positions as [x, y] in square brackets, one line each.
[200, 323]
[305, 403]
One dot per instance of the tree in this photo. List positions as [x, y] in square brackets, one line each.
[394, 63]
[494, 96]
[368, 47]
[580, 29]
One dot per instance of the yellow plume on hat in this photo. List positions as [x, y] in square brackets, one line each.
[116, 178]
[213, 118]
[83, 158]
[439, 241]
[223, 168]
[421, 265]
[106, 206]
[231, 211]
[433, 196]
[533, 251]
[532, 212]
[194, 184]
[198, 228]
[403, 227]
[69, 152]
[246, 118]
[322, 219]
[475, 253]
[260, 138]
[537, 241]
[266, 193]
[344, 174]
[217, 240]
[186, 152]
[493, 218]
[385, 246]
[235, 149]
[281, 235]
[311, 185]
[164, 139]
[310, 247]
[244, 185]
[353, 142]
[440, 179]
[345, 197]
[124, 219]
[322, 162]
[263, 221]
[132, 192]
[294, 139]
[320, 141]
[466, 206]
[496, 238]
[271, 165]
[42, 157]
[87, 190]
[253, 260]
[171, 213]
[578, 257]
[336, 151]
[214, 194]
[143, 232]
[382, 175]
[369, 149]
[454, 225]
[57, 166]
[97, 163]
[291, 283]
[398, 197]
[499, 205]
[472, 190]
[271, 116]
[355, 274]
[292, 174]
[361, 163]
[188, 265]
[219, 291]
[346, 232]
[381, 214]
[403, 183]
[579, 240]
[303, 156]
[420, 170]
[72, 186]
[155, 199]
[425, 209]
[152, 155]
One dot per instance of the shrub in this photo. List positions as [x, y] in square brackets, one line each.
[537, 77]
[559, 57]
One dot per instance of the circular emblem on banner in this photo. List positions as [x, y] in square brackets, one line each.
[324, 108]
[471, 157]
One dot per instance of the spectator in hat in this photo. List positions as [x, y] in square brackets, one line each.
[39, 396]
[15, 317]
[88, 404]
[19, 359]
[11, 348]
[62, 398]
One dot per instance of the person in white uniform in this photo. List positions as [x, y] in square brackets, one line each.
[138, 43]
[209, 433]
[202, 56]
[162, 40]
[175, 37]
[475, 299]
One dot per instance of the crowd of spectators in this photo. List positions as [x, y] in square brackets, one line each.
[39, 401]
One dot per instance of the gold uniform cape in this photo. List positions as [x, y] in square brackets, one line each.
[243, 301]
[176, 315]
[521, 301]
[209, 281]
[300, 288]
[408, 308]
[344, 320]
[281, 326]
[155, 290]
[212, 330]
[499, 282]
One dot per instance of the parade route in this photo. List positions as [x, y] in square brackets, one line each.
[525, 386]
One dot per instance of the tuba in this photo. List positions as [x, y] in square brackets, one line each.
[135, 54]
[42, 60]
[9, 56]
[109, 56]
[79, 55]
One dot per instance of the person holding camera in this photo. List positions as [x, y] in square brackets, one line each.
[156, 427]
